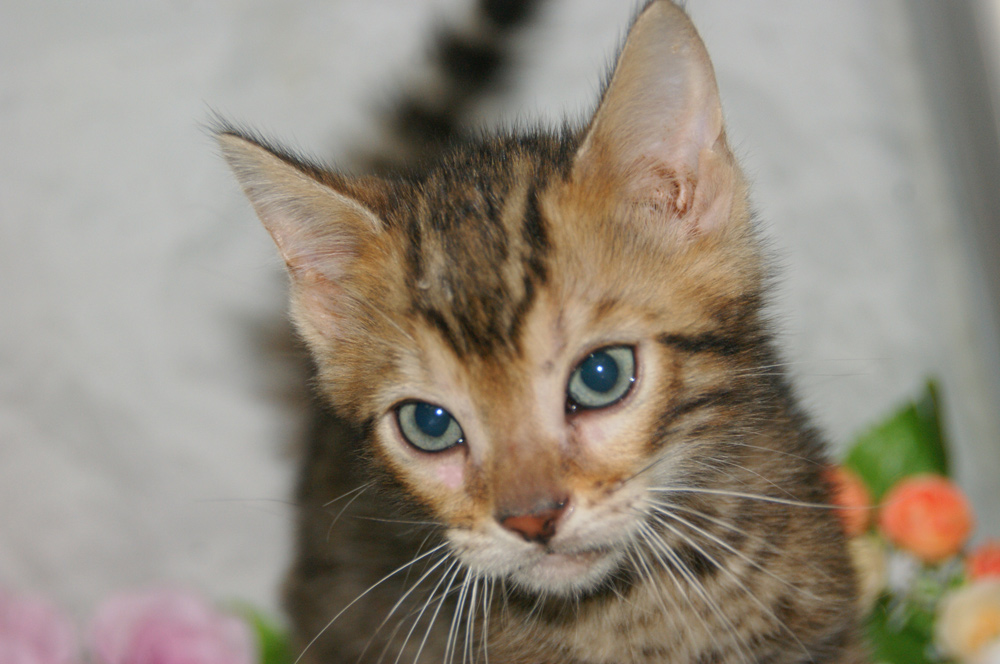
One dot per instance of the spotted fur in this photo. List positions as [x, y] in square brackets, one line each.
[685, 523]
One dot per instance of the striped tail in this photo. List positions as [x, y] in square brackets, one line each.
[466, 62]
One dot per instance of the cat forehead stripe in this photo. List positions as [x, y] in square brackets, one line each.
[479, 254]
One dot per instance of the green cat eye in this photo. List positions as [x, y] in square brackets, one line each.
[602, 378]
[428, 427]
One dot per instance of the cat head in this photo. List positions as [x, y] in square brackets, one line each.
[525, 330]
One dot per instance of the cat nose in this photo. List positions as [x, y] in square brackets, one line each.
[538, 526]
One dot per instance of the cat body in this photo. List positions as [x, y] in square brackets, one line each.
[559, 430]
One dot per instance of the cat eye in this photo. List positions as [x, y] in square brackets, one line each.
[601, 379]
[428, 427]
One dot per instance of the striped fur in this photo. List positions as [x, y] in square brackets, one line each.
[691, 522]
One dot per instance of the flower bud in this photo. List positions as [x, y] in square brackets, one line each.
[984, 561]
[927, 515]
[852, 498]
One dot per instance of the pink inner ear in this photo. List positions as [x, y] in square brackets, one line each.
[313, 252]
[315, 304]
[316, 224]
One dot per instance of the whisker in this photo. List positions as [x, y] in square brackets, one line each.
[470, 622]
[799, 457]
[774, 365]
[726, 524]
[402, 599]
[487, 603]
[733, 464]
[343, 509]
[363, 594]
[722, 568]
[730, 548]
[640, 564]
[738, 494]
[865, 362]
[437, 610]
[450, 644]
[427, 602]
[346, 494]
[652, 464]
[699, 588]
[406, 522]
[712, 465]
[646, 577]
[678, 584]
[667, 458]
[420, 548]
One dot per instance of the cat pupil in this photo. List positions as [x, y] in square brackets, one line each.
[603, 378]
[599, 372]
[432, 420]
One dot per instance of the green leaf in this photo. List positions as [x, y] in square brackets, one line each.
[271, 640]
[899, 643]
[909, 442]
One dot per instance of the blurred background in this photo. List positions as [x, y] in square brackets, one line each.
[150, 397]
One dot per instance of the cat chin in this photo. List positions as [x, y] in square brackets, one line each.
[565, 574]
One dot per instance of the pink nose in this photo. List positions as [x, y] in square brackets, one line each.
[539, 526]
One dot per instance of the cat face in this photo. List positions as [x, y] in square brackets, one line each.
[532, 332]
[538, 463]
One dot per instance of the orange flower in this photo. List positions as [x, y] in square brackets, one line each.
[852, 498]
[984, 561]
[927, 515]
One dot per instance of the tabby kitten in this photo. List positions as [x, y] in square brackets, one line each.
[561, 430]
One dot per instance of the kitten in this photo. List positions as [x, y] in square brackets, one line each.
[561, 433]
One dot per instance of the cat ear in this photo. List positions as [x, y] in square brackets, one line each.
[318, 228]
[657, 137]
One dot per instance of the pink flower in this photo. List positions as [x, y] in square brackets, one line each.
[168, 627]
[32, 631]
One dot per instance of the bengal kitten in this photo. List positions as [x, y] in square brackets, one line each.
[561, 429]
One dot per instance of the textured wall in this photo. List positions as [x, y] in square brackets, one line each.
[147, 400]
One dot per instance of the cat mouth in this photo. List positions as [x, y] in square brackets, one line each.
[567, 572]
[587, 554]
[571, 563]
